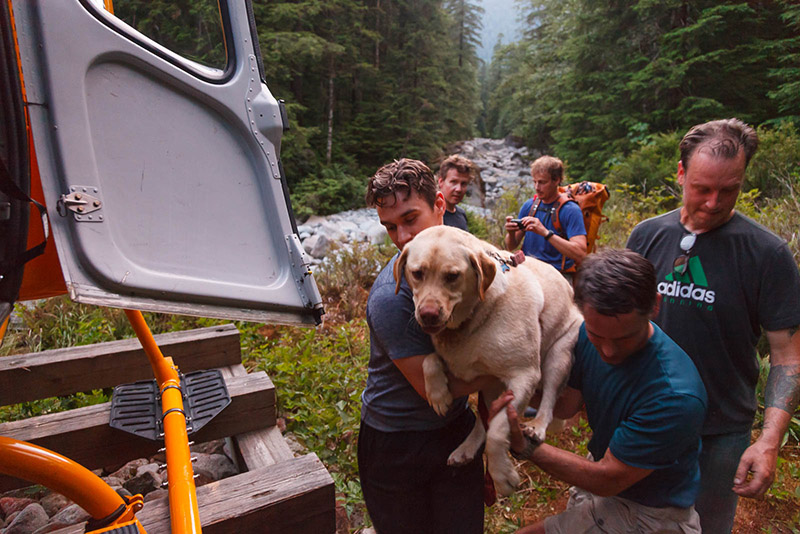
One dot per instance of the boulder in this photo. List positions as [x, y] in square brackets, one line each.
[71, 515]
[28, 520]
[317, 245]
[129, 470]
[144, 483]
[213, 466]
[9, 505]
[54, 503]
[376, 233]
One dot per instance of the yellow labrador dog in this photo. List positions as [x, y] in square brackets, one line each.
[489, 317]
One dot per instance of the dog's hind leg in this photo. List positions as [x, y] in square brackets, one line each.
[465, 452]
[556, 365]
[500, 466]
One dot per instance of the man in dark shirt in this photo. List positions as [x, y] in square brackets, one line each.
[455, 175]
[723, 279]
[645, 403]
[403, 444]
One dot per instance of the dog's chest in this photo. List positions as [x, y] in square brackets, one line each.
[493, 351]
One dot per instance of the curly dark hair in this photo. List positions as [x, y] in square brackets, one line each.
[615, 282]
[401, 177]
[723, 138]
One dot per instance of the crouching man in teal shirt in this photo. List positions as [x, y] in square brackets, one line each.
[645, 403]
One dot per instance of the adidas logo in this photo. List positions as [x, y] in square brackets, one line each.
[689, 288]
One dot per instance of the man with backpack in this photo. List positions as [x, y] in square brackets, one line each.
[550, 225]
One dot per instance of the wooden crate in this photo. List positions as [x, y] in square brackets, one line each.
[276, 492]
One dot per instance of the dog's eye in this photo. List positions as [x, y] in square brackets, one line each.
[451, 277]
[417, 274]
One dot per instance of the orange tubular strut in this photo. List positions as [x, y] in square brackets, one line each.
[37, 464]
[183, 510]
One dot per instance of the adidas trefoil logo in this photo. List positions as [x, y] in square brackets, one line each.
[689, 288]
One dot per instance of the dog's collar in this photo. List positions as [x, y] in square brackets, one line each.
[506, 264]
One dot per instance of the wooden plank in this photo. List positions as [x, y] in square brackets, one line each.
[296, 496]
[257, 448]
[64, 371]
[84, 435]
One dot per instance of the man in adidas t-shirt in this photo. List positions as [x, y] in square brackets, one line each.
[723, 278]
[563, 247]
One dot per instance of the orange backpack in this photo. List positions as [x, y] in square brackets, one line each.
[590, 196]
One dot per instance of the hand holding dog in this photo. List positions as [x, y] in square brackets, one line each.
[504, 401]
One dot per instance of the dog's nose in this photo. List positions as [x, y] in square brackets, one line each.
[429, 315]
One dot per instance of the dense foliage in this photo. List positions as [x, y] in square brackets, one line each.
[591, 79]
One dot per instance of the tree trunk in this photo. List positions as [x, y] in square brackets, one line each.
[330, 113]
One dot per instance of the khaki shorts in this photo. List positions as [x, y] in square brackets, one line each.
[587, 513]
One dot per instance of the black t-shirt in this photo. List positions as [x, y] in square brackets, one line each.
[740, 278]
[457, 218]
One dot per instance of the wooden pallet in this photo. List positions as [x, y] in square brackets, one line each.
[275, 492]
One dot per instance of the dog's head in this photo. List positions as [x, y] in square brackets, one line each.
[449, 272]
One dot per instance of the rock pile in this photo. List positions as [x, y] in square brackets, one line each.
[36, 510]
[504, 165]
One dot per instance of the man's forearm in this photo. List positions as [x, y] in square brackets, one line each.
[780, 399]
[574, 251]
[575, 470]
[782, 393]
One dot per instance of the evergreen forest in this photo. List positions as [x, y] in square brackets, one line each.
[589, 81]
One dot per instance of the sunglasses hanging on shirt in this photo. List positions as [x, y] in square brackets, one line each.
[682, 261]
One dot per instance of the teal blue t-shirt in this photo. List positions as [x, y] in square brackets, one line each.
[649, 412]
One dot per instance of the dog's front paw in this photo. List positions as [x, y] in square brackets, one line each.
[439, 399]
[536, 432]
[460, 456]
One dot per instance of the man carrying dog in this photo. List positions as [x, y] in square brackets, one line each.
[564, 245]
[645, 403]
[455, 175]
[403, 444]
[724, 278]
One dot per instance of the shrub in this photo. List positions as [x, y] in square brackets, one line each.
[334, 190]
[777, 161]
[347, 274]
[652, 166]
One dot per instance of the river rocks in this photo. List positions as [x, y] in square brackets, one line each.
[55, 502]
[30, 519]
[48, 511]
[503, 163]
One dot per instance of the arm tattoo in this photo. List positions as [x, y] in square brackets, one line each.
[783, 388]
[793, 330]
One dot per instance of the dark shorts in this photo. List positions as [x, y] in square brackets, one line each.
[408, 486]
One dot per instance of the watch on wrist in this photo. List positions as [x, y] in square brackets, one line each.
[527, 452]
[550, 234]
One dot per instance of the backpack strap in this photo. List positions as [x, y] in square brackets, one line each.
[11, 189]
[562, 199]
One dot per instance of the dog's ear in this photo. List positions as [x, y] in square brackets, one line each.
[485, 269]
[399, 266]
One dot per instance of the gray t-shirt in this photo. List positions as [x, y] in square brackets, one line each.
[389, 403]
[740, 278]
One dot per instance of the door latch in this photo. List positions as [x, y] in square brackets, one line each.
[82, 203]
